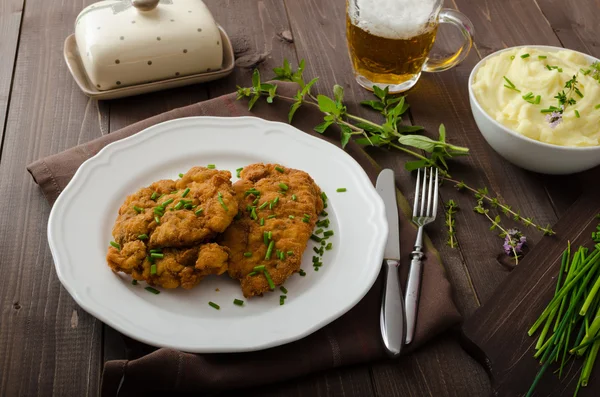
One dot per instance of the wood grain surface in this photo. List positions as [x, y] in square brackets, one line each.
[49, 346]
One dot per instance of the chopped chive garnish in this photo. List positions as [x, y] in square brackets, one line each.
[266, 238]
[270, 205]
[577, 113]
[585, 72]
[210, 166]
[323, 196]
[259, 268]
[512, 88]
[323, 223]
[548, 67]
[270, 234]
[179, 205]
[271, 216]
[138, 209]
[157, 255]
[291, 216]
[134, 282]
[143, 237]
[269, 280]
[252, 191]
[316, 250]
[537, 100]
[154, 196]
[323, 213]
[323, 242]
[188, 206]
[213, 304]
[220, 198]
[237, 172]
[294, 197]
[275, 200]
[153, 269]
[283, 289]
[116, 245]
[305, 219]
[328, 233]
[255, 201]
[198, 211]
[252, 273]
[153, 290]
[157, 220]
[315, 259]
[174, 191]
[283, 186]
[167, 202]
[263, 205]
[578, 92]
[262, 221]
[315, 238]
[510, 83]
[528, 95]
[542, 57]
[319, 231]
[185, 192]
[290, 253]
[512, 57]
[559, 70]
[278, 168]
[238, 302]
[180, 175]
[270, 249]
[597, 106]
[525, 56]
[247, 254]
[281, 300]
[253, 215]
[546, 111]
[281, 255]
[159, 250]
[302, 272]
[329, 246]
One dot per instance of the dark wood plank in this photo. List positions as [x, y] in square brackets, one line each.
[318, 28]
[48, 345]
[575, 23]
[499, 328]
[11, 12]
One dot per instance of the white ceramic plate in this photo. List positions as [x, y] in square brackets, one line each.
[81, 221]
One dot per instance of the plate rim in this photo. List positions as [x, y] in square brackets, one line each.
[96, 310]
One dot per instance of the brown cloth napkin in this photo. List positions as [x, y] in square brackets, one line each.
[353, 338]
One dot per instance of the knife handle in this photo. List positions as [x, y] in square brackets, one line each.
[413, 287]
[392, 310]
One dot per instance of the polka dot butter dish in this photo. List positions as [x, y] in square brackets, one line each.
[130, 47]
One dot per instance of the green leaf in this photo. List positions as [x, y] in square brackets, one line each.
[377, 105]
[266, 87]
[287, 68]
[256, 79]
[413, 165]
[369, 127]
[326, 104]
[338, 93]
[409, 128]
[329, 118]
[323, 126]
[346, 134]
[396, 110]
[293, 109]
[253, 101]
[497, 219]
[379, 93]
[279, 72]
[395, 100]
[418, 141]
[370, 141]
[442, 133]
[306, 88]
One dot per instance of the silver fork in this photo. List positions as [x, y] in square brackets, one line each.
[424, 210]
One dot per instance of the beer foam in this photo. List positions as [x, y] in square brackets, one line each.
[392, 19]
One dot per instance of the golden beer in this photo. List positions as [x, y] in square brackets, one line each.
[388, 61]
[389, 41]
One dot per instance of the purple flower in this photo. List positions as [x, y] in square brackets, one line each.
[554, 118]
[514, 242]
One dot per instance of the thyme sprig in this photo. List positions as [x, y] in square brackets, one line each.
[451, 210]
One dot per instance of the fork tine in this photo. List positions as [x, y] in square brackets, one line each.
[429, 191]
[435, 194]
[416, 205]
[423, 194]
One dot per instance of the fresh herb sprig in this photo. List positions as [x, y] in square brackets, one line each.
[389, 134]
[451, 210]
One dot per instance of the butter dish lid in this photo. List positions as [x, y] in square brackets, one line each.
[129, 42]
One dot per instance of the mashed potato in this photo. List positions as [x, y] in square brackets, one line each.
[530, 75]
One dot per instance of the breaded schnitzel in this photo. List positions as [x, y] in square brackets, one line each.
[278, 211]
[162, 230]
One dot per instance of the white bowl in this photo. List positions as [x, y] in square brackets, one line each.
[523, 151]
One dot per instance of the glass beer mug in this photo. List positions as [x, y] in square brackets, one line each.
[390, 40]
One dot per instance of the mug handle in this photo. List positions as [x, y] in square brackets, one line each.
[465, 26]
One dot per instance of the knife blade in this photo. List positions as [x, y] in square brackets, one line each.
[392, 318]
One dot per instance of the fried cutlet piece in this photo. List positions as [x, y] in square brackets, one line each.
[183, 267]
[207, 209]
[290, 203]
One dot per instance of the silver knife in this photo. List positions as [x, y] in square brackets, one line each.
[392, 305]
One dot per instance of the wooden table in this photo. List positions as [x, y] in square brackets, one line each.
[48, 345]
